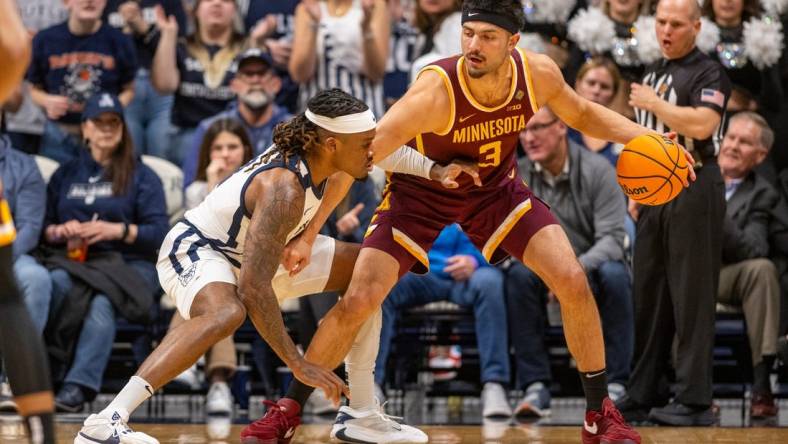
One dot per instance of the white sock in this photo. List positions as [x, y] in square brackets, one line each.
[136, 391]
[360, 363]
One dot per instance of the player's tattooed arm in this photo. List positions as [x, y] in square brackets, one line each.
[277, 201]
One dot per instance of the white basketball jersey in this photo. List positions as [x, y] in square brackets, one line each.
[222, 218]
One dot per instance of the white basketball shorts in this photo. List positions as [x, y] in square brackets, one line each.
[187, 263]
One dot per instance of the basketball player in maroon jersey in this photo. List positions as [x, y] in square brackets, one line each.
[22, 349]
[472, 107]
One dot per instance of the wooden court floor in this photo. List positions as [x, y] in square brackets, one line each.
[11, 433]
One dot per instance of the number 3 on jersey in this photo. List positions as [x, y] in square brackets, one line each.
[490, 154]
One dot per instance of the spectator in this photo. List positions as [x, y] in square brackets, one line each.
[598, 81]
[71, 62]
[341, 44]
[580, 188]
[612, 30]
[685, 92]
[111, 203]
[255, 85]
[405, 46]
[748, 278]
[25, 125]
[198, 69]
[224, 148]
[755, 72]
[460, 274]
[271, 26]
[24, 190]
[438, 21]
[148, 115]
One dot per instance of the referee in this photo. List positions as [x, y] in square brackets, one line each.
[679, 244]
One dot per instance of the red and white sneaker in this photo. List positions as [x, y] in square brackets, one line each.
[608, 427]
[277, 426]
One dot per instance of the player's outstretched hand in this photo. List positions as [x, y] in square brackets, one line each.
[296, 255]
[690, 160]
[447, 175]
[318, 377]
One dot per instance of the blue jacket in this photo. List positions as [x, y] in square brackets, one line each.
[78, 190]
[260, 136]
[24, 189]
[452, 241]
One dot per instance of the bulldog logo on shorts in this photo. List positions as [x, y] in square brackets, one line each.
[187, 275]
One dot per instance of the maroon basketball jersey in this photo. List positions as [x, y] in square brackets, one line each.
[483, 135]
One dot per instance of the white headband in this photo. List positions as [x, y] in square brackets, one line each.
[349, 124]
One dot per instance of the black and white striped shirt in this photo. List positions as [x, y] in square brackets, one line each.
[694, 80]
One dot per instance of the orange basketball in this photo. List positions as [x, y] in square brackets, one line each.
[651, 169]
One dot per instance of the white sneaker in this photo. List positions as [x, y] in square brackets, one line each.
[100, 429]
[7, 403]
[319, 404]
[495, 404]
[219, 400]
[370, 426]
[190, 378]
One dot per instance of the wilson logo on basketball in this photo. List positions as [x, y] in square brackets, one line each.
[634, 191]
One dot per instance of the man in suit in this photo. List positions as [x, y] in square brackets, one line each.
[748, 277]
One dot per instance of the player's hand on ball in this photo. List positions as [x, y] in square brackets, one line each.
[447, 175]
[296, 255]
[690, 160]
[318, 377]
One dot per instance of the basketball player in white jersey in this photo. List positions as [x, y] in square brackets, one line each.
[222, 262]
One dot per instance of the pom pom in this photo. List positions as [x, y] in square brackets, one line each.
[548, 11]
[592, 31]
[775, 7]
[708, 37]
[763, 41]
[532, 42]
[646, 34]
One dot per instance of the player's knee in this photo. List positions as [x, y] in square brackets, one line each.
[358, 306]
[572, 285]
[228, 318]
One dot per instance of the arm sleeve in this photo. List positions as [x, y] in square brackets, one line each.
[609, 214]
[406, 160]
[711, 88]
[29, 213]
[151, 213]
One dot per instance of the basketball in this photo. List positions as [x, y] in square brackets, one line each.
[651, 169]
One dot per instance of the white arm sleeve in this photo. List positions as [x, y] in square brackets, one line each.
[407, 160]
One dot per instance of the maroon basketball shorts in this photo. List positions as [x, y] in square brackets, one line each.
[499, 221]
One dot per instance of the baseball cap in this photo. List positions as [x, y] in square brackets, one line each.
[255, 54]
[102, 102]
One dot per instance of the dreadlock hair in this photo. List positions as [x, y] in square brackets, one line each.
[512, 8]
[300, 136]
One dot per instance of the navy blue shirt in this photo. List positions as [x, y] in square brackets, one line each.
[75, 66]
[405, 46]
[261, 136]
[78, 190]
[362, 191]
[196, 99]
[146, 44]
[283, 10]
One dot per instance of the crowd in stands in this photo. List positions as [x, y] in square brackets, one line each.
[115, 84]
